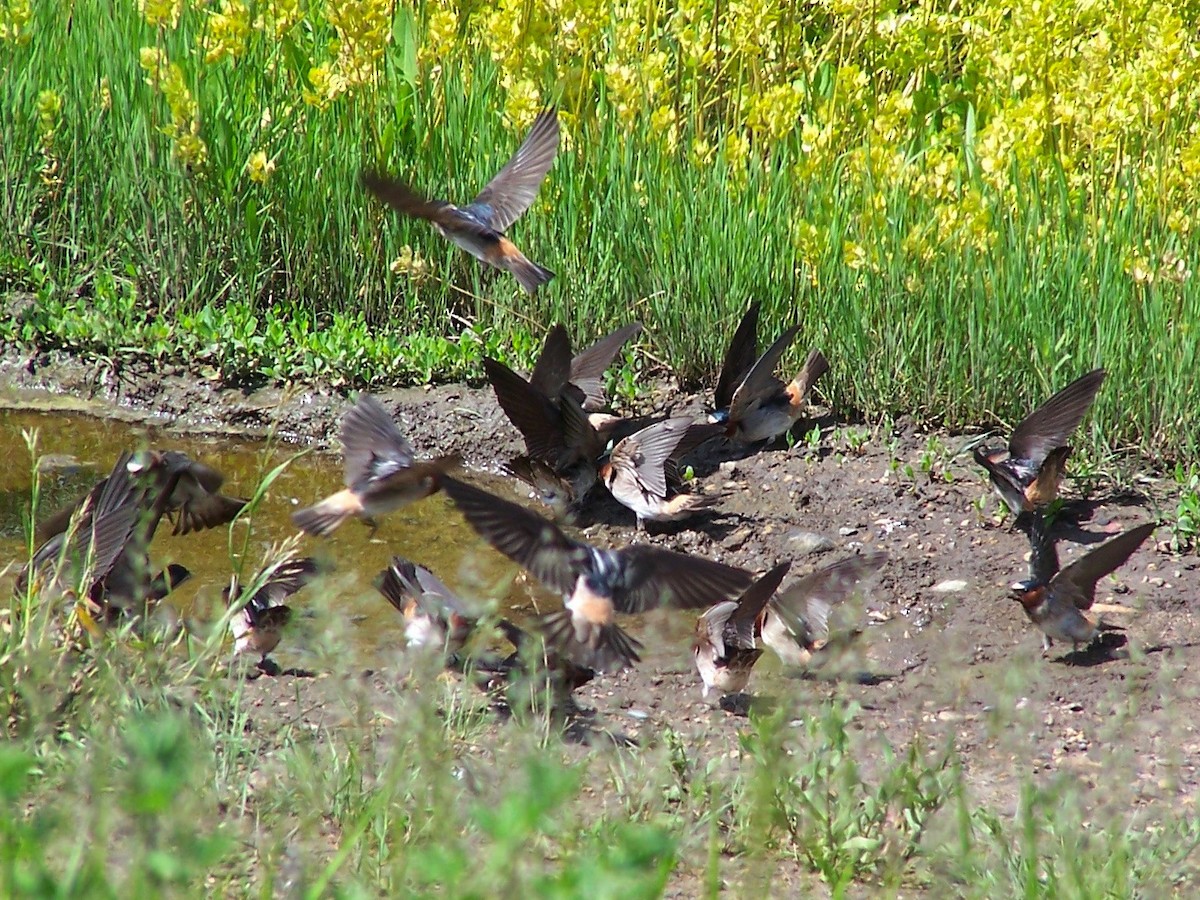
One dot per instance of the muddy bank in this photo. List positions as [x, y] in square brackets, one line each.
[947, 655]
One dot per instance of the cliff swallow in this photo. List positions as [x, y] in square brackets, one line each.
[195, 503]
[557, 433]
[1055, 601]
[636, 473]
[434, 616]
[595, 584]
[382, 472]
[795, 623]
[479, 227]
[725, 648]
[583, 375]
[763, 407]
[104, 550]
[258, 624]
[739, 358]
[538, 664]
[1026, 476]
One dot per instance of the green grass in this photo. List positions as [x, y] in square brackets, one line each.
[129, 255]
[146, 765]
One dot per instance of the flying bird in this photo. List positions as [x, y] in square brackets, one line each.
[596, 584]
[479, 226]
[434, 616]
[382, 473]
[1026, 475]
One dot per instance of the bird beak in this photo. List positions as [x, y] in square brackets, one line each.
[974, 442]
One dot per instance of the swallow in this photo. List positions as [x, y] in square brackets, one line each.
[795, 622]
[532, 659]
[595, 584]
[382, 473]
[557, 433]
[195, 504]
[750, 401]
[1027, 475]
[1056, 600]
[104, 549]
[479, 227]
[257, 625]
[726, 649]
[636, 473]
[583, 375]
[434, 616]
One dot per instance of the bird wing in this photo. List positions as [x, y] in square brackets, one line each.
[1051, 425]
[739, 631]
[373, 447]
[812, 598]
[588, 368]
[553, 369]
[650, 577]
[645, 453]
[533, 414]
[761, 380]
[514, 188]
[402, 198]
[738, 358]
[523, 536]
[1077, 582]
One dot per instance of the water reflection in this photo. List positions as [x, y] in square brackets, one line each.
[76, 450]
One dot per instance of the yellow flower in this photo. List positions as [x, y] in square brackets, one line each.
[105, 94]
[161, 12]
[228, 32]
[15, 16]
[49, 108]
[410, 263]
[259, 167]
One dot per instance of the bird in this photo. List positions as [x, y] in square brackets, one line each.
[382, 473]
[583, 374]
[1054, 599]
[636, 473]
[557, 434]
[751, 402]
[596, 584]
[260, 614]
[726, 647]
[103, 554]
[795, 623]
[1027, 473]
[535, 664]
[195, 503]
[480, 226]
[434, 616]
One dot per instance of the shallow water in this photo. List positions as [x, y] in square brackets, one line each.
[347, 613]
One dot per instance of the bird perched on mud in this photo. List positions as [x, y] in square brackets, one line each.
[637, 471]
[103, 553]
[561, 445]
[795, 623]
[479, 226]
[194, 504]
[1055, 600]
[726, 647]
[382, 473]
[596, 584]
[434, 616]
[750, 401]
[1027, 474]
[257, 626]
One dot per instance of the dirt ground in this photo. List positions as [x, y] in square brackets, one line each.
[948, 652]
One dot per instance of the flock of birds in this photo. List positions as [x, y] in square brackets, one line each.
[97, 551]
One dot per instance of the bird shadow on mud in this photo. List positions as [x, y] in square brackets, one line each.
[1108, 647]
[1071, 518]
[271, 669]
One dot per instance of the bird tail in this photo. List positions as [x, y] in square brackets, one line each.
[604, 648]
[324, 518]
[814, 367]
[528, 273]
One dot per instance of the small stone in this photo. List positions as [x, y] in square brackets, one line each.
[847, 530]
[950, 587]
[805, 542]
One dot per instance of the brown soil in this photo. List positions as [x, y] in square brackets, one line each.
[951, 655]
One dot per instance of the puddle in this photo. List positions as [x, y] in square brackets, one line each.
[79, 449]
